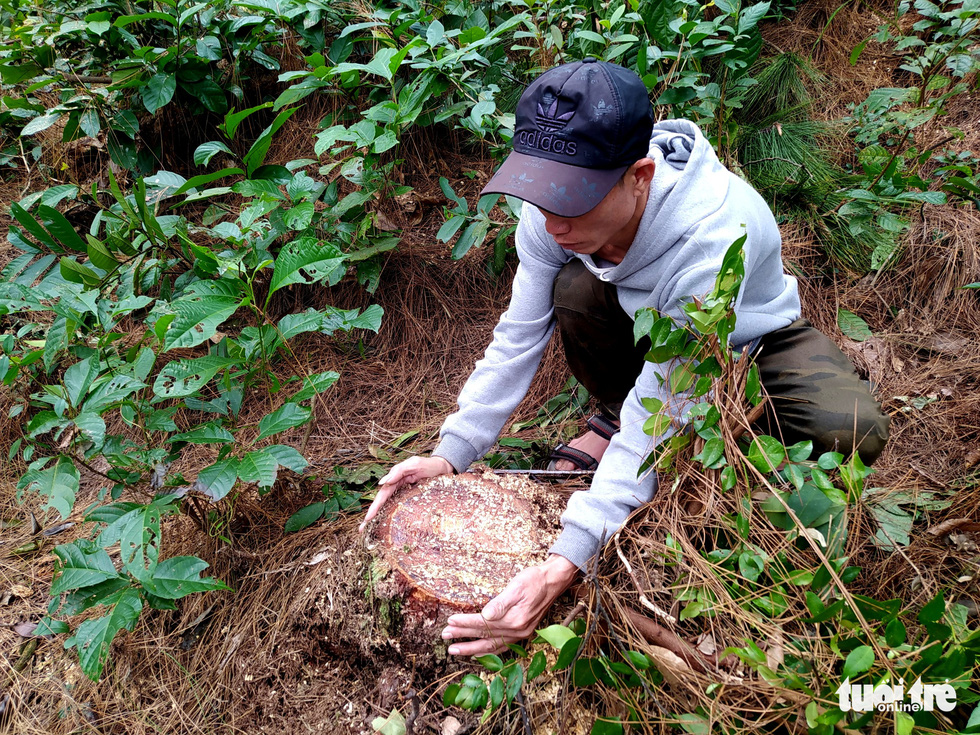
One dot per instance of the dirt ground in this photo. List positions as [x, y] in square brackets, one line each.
[302, 646]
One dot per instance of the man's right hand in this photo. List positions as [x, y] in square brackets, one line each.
[405, 473]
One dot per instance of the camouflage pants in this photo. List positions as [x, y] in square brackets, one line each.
[814, 390]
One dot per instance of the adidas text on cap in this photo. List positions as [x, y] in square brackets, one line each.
[578, 128]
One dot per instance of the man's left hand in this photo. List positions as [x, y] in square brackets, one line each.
[513, 614]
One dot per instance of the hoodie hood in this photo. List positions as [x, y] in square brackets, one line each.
[679, 199]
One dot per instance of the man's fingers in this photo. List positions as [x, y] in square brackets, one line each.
[458, 631]
[478, 648]
[380, 499]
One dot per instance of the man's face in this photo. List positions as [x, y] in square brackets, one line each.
[609, 228]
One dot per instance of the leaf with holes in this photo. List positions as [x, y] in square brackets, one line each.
[138, 539]
[94, 637]
[92, 427]
[197, 319]
[81, 564]
[307, 260]
[58, 484]
[180, 576]
[181, 378]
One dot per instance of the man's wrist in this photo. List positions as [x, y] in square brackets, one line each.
[559, 572]
[450, 470]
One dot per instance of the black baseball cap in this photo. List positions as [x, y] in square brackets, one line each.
[578, 127]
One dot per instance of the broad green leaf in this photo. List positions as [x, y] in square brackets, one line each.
[234, 119]
[287, 457]
[932, 611]
[449, 696]
[41, 123]
[894, 524]
[75, 272]
[556, 635]
[292, 325]
[348, 319]
[537, 666]
[811, 505]
[606, 727]
[92, 427]
[306, 260]
[450, 227]
[197, 319]
[286, 417]
[59, 484]
[858, 661]
[81, 564]
[300, 216]
[474, 234]
[210, 433]
[496, 692]
[100, 256]
[159, 91]
[27, 221]
[195, 182]
[895, 633]
[491, 662]
[393, 724]
[260, 467]
[139, 537]
[115, 517]
[217, 480]
[304, 517]
[180, 576]
[109, 389]
[713, 453]
[94, 637]
[515, 678]
[257, 153]
[314, 385]
[852, 325]
[181, 378]
[766, 453]
[60, 228]
[78, 379]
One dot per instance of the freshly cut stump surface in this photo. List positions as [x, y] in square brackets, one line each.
[458, 540]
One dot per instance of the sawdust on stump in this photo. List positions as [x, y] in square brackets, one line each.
[449, 544]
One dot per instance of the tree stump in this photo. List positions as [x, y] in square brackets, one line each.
[450, 544]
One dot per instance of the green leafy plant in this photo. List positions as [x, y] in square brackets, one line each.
[113, 64]
[476, 226]
[140, 326]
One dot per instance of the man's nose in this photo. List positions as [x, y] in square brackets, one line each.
[555, 225]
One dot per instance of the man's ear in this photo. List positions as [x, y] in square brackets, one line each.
[643, 171]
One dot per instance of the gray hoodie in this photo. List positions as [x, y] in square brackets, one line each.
[696, 209]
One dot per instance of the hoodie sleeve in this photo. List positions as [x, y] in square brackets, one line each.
[617, 490]
[501, 378]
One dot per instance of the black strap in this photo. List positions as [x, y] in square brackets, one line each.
[602, 426]
[577, 457]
